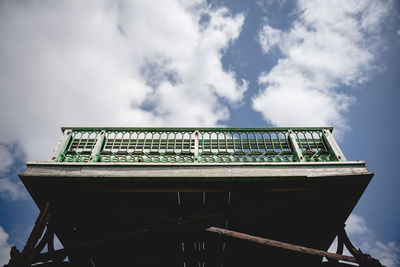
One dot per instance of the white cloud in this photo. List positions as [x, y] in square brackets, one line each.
[264, 4]
[6, 157]
[329, 45]
[356, 225]
[269, 37]
[4, 247]
[388, 254]
[98, 63]
[10, 187]
[364, 238]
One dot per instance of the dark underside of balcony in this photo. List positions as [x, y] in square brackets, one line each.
[155, 215]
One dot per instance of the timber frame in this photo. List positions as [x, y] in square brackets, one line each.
[33, 251]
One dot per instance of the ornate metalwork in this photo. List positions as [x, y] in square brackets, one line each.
[203, 145]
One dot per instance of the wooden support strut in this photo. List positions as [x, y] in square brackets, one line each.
[166, 223]
[278, 244]
[25, 257]
[364, 260]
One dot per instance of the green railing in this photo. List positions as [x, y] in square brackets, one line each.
[201, 145]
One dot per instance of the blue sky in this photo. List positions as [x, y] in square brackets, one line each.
[197, 63]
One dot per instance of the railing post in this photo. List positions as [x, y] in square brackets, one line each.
[295, 145]
[333, 146]
[62, 145]
[96, 150]
[196, 146]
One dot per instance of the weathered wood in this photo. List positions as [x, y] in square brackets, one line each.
[304, 169]
[36, 233]
[96, 149]
[196, 146]
[61, 145]
[365, 260]
[295, 146]
[339, 249]
[278, 244]
[331, 142]
[165, 224]
[25, 257]
[46, 239]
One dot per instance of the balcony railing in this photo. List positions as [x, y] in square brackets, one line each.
[197, 145]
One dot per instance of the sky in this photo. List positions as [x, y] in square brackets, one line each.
[200, 63]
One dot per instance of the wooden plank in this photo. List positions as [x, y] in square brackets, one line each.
[278, 244]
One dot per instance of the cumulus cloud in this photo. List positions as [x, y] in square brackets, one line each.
[112, 63]
[4, 247]
[363, 237]
[330, 45]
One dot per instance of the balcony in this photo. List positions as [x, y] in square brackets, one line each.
[111, 191]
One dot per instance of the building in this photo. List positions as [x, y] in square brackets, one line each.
[193, 197]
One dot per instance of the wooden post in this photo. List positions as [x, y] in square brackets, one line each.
[61, 145]
[96, 150]
[334, 147]
[196, 146]
[295, 146]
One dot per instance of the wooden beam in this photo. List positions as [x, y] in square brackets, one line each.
[26, 256]
[278, 244]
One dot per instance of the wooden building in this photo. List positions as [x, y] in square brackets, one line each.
[193, 197]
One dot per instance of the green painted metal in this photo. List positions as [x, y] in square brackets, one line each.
[219, 145]
[79, 146]
[64, 148]
[313, 146]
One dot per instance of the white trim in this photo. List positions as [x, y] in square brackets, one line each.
[295, 146]
[331, 142]
[60, 145]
